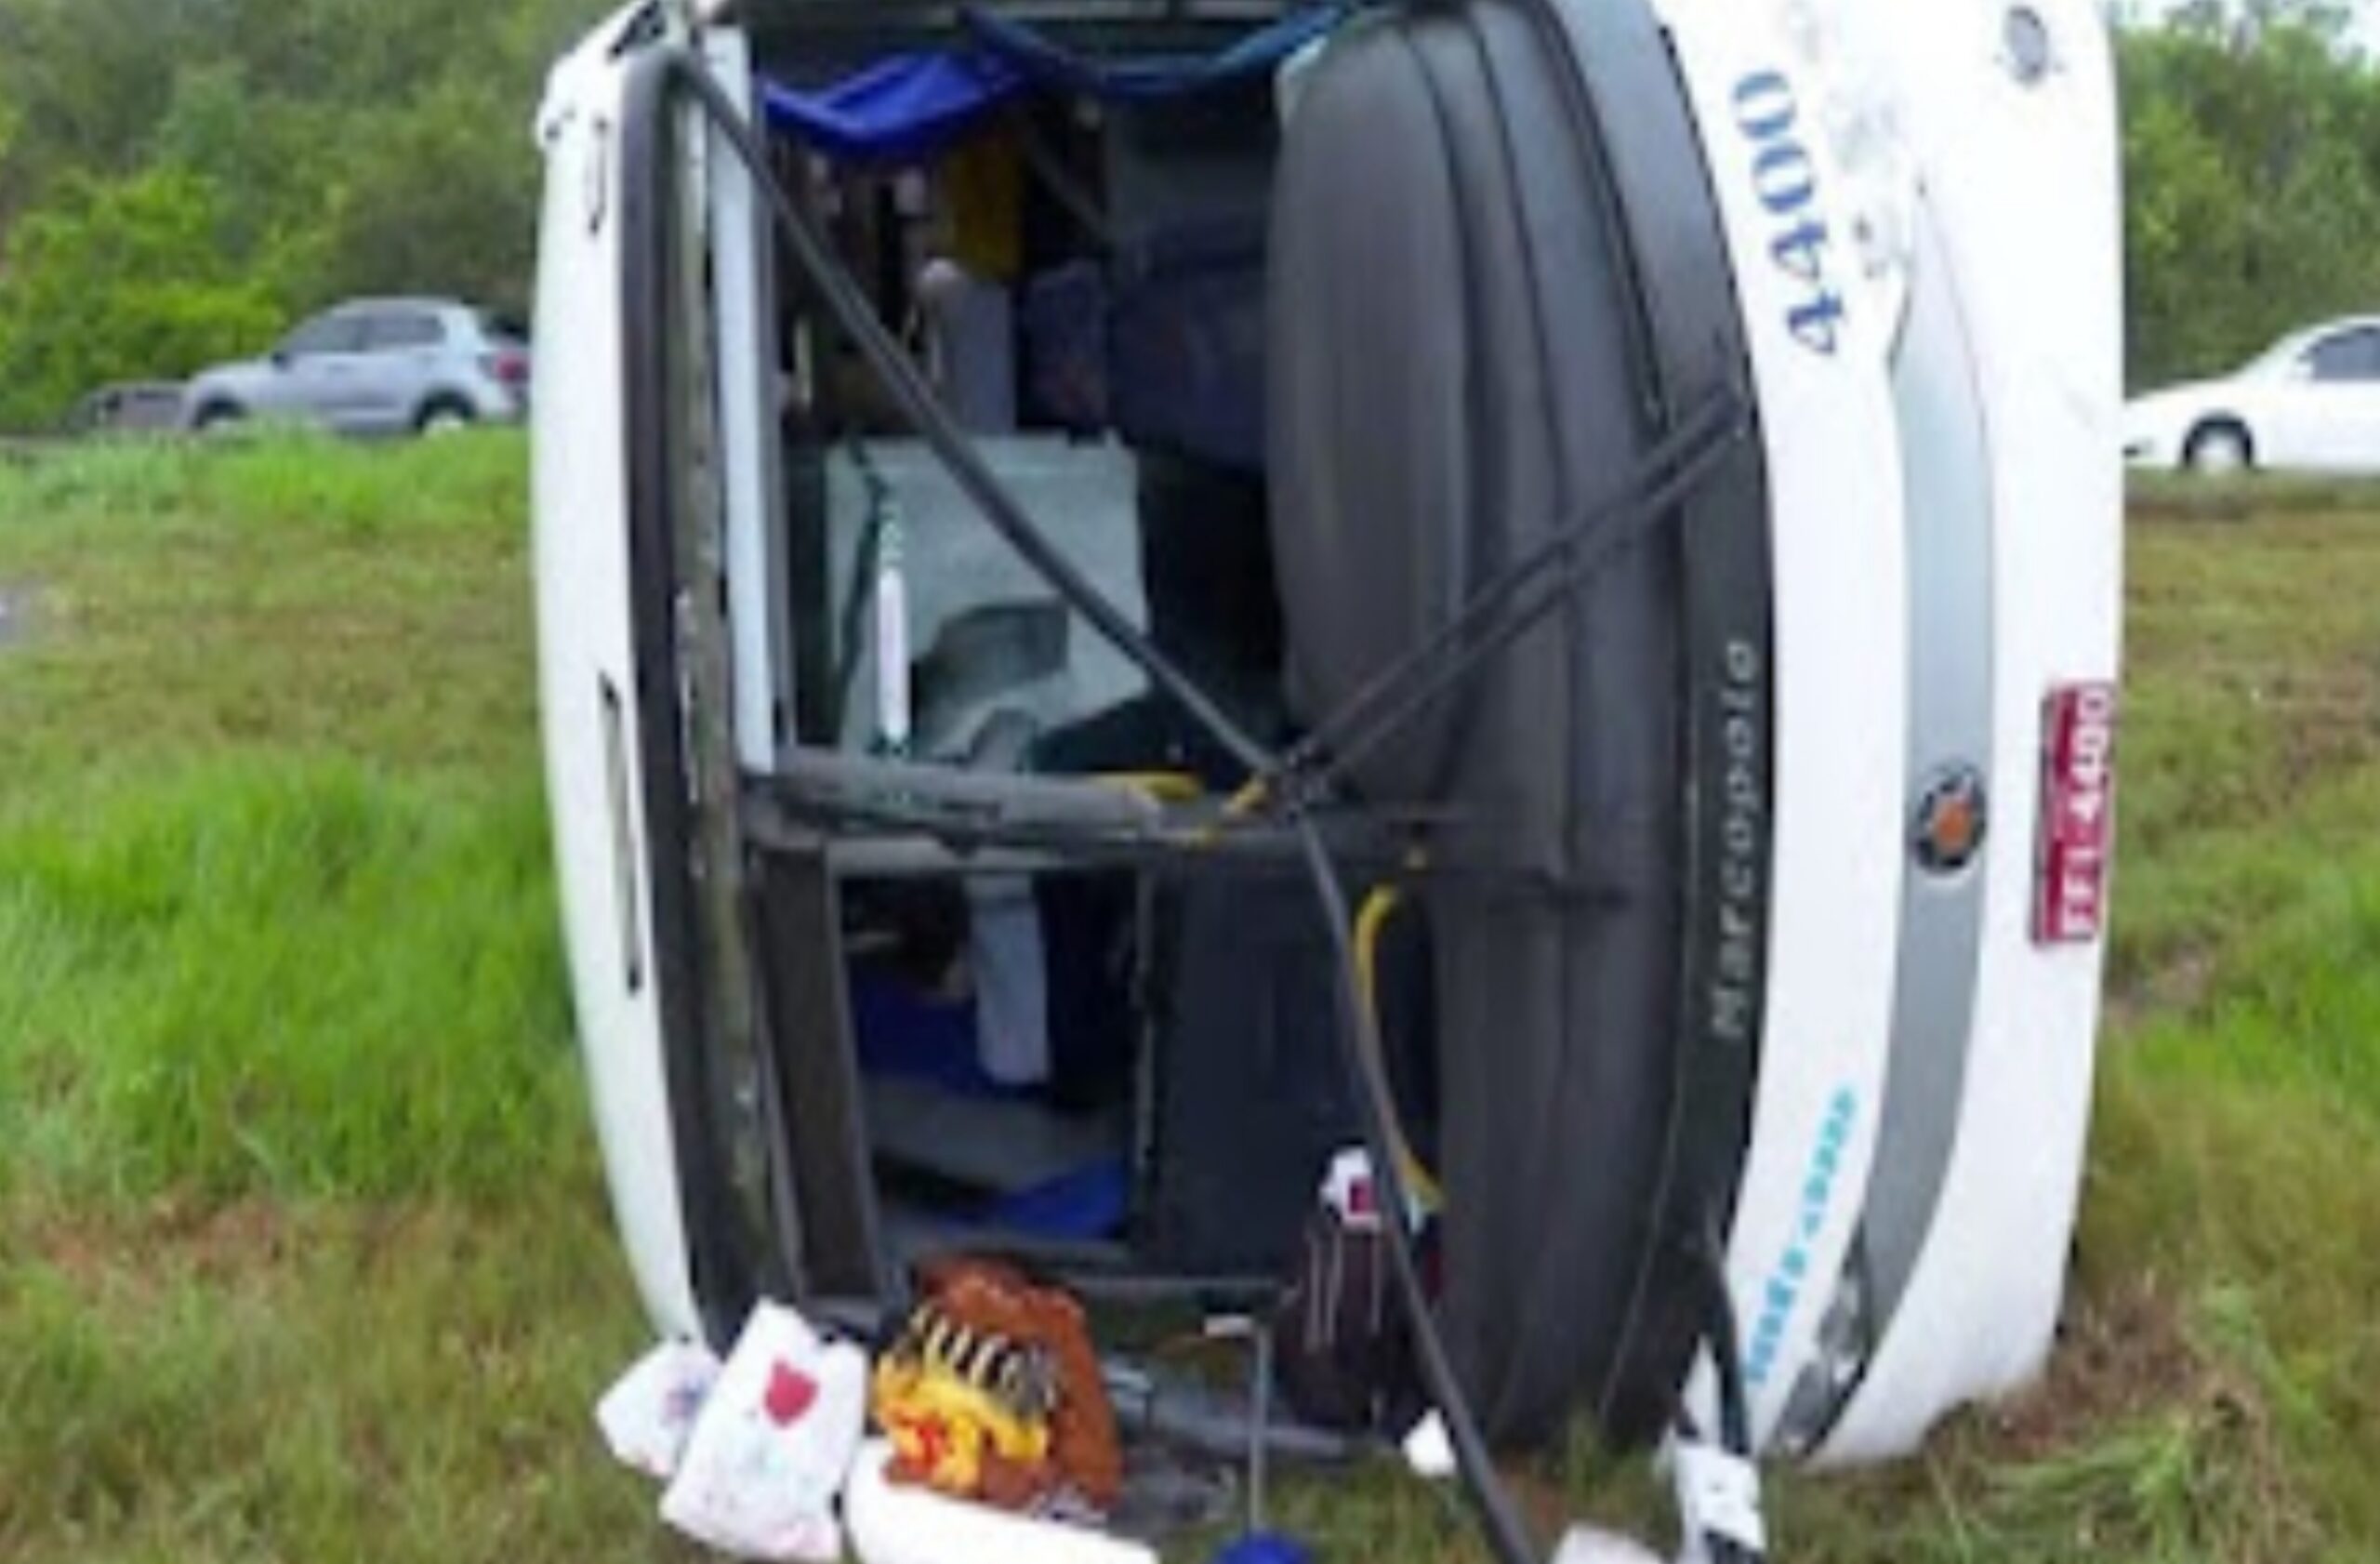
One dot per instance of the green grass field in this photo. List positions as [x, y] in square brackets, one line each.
[302, 1247]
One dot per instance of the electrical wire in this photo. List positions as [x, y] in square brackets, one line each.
[1376, 1101]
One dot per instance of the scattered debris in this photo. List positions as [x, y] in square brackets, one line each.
[897, 1523]
[1265, 1548]
[1429, 1451]
[1584, 1545]
[648, 1417]
[994, 1393]
[772, 1447]
[1340, 1334]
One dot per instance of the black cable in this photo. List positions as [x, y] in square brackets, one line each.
[1726, 1350]
[1395, 700]
[1681, 445]
[924, 410]
[1360, 1050]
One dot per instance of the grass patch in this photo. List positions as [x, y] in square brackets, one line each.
[301, 978]
[2248, 497]
[273, 854]
[2252, 744]
[305, 1252]
[285, 595]
[266, 1382]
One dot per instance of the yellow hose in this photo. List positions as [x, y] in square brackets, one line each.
[1165, 786]
[1370, 923]
[1382, 906]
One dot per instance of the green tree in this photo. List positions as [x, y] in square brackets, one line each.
[438, 194]
[2252, 164]
[120, 279]
[271, 159]
[300, 150]
[85, 81]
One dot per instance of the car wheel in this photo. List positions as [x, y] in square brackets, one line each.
[444, 417]
[2218, 448]
[218, 418]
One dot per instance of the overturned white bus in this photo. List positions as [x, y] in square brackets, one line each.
[1133, 593]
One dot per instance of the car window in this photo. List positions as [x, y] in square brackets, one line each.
[395, 330]
[2349, 356]
[497, 326]
[325, 334]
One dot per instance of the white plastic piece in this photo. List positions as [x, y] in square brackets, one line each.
[896, 1525]
[1350, 1191]
[1585, 1544]
[1718, 1497]
[772, 1449]
[1011, 982]
[895, 706]
[648, 1416]
[1428, 1450]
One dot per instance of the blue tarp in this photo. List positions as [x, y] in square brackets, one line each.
[901, 110]
[911, 107]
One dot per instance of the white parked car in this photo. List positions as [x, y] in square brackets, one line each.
[376, 367]
[2311, 404]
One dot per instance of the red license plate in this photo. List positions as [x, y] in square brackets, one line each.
[2078, 815]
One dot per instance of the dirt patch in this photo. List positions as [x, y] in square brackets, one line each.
[172, 1237]
[2176, 986]
[2137, 1360]
[227, 1242]
[2120, 1358]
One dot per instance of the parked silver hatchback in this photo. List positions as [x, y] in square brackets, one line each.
[376, 367]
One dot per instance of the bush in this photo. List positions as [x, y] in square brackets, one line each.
[119, 281]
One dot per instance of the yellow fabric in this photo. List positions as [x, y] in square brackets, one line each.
[983, 187]
[946, 1428]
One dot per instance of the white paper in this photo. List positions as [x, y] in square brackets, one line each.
[895, 1525]
[774, 1445]
[647, 1417]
